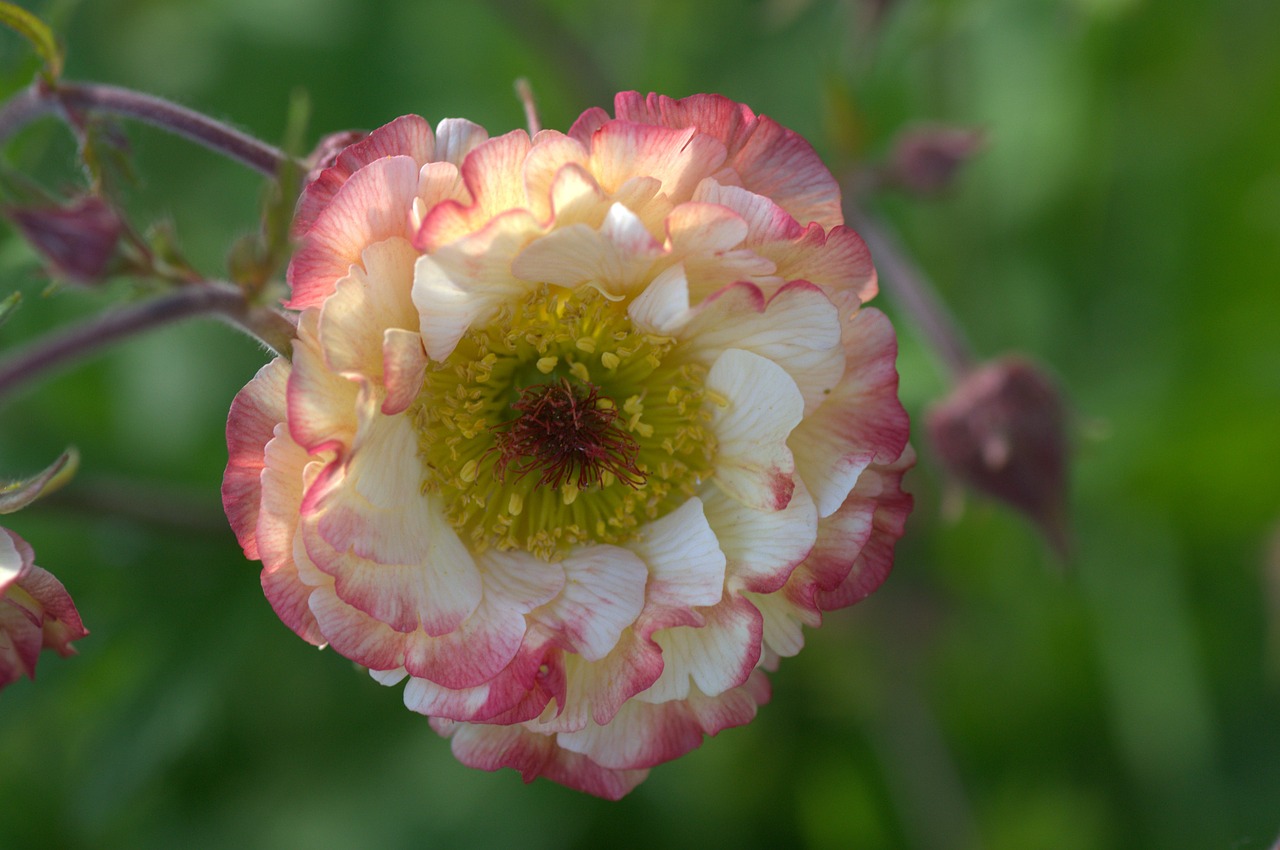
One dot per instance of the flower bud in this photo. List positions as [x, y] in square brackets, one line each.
[78, 241]
[925, 160]
[1002, 432]
[36, 612]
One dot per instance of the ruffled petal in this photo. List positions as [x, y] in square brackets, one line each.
[373, 205]
[861, 422]
[255, 412]
[798, 329]
[603, 594]
[534, 755]
[712, 657]
[762, 407]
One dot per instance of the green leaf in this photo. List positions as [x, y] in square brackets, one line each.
[38, 33]
[16, 495]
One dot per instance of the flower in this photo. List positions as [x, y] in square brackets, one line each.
[580, 429]
[36, 612]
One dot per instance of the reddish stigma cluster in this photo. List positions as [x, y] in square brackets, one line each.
[563, 431]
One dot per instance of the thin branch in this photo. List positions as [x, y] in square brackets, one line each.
[910, 288]
[40, 99]
[210, 298]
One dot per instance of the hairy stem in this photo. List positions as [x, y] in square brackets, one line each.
[209, 298]
[41, 99]
[910, 289]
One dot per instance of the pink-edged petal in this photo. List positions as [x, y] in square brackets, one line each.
[704, 227]
[679, 158]
[255, 412]
[404, 365]
[762, 547]
[493, 176]
[780, 164]
[520, 692]
[838, 261]
[552, 153]
[282, 480]
[861, 422]
[534, 755]
[466, 282]
[762, 407]
[644, 734]
[375, 204]
[686, 566]
[854, 550]
[710, 658]
[766, 157]
[408, 135]
[321, 404]
[387, 544]
[875, 557]
[615, 258]
[603, 594]
[766, 221]
[60, 620]
[798, 329]
[373, 297]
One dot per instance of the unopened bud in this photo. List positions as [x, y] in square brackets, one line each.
[78, 241]
[925, 160]
[1002, 431]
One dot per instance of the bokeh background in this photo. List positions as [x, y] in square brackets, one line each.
[1122, 225]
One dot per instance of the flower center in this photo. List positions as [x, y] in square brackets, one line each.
[569, 433]
[558, 423]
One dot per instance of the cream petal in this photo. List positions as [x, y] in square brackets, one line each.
[798, 328]
[603, 594]
[321, 404]
[457, 137]
[762, 547]
[763, 406]
[467, 282]
[686, 566]
[387, 544]
[712, 657]
[615, 258]
[372, 297]
[662, 308]
[404, 365]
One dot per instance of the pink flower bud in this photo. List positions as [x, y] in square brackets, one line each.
[925, 160]
[1001, 431]
[78, 241]
[36, 612]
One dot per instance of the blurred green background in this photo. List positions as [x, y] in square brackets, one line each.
[1122, 225]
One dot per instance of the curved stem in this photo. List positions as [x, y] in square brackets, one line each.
[913, 292]
[40, 99]
[209, 298]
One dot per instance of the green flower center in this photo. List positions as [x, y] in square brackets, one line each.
[558, 423]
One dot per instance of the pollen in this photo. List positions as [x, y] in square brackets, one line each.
[559, 424]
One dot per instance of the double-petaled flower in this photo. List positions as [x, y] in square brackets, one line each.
[579, 431]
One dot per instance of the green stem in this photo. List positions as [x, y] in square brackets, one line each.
[40, 99]
[209, 298]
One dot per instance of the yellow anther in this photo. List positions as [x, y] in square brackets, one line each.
[546, 364]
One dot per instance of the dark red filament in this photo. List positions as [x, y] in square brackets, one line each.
[563, 432]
